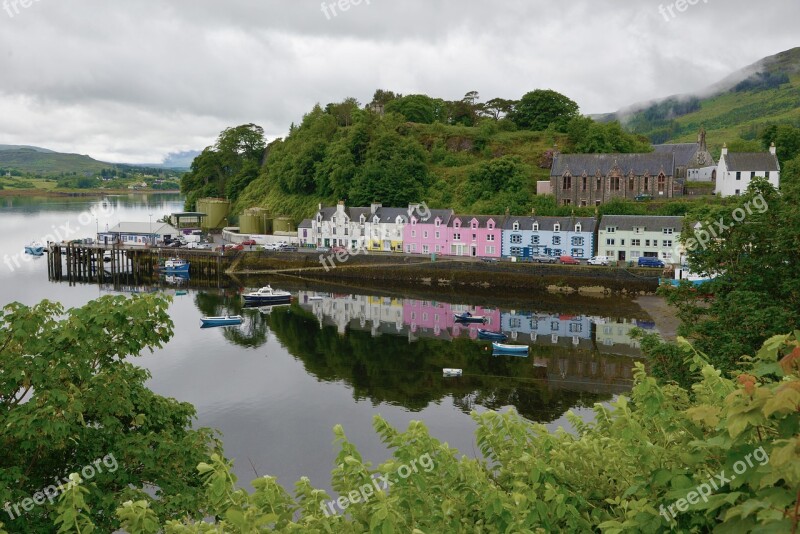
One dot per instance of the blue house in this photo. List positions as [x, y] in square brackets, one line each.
[549, 236]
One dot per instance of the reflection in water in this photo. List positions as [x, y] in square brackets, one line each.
[392, 350]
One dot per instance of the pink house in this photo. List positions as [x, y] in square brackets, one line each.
[475, 236]
[426, 232]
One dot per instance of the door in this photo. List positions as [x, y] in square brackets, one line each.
[474, 251]
[621, 255]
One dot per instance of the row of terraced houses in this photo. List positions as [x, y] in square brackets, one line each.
[419, 230]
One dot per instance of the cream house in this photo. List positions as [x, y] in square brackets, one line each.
[629, 237]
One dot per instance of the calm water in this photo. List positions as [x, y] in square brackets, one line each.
[277, 385]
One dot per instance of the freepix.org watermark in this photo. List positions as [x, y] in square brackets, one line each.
[715, 483]
[330, 8]
[12, 7]
[378, 484]
[51, 492]
[64, 232]
[681, 6]
[705, 232]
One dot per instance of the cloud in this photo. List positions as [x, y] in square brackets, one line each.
[135, 81]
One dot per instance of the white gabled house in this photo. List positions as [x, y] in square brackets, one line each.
[737, 169]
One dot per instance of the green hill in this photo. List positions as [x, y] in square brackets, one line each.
[740, 106]
[33, 160]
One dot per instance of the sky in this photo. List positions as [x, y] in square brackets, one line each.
[132, 81]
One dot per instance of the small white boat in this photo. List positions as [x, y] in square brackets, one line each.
[452, 373]
[314, 298]
[34, 249]
[267, 295]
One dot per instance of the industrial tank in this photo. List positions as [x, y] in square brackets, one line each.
[255, 221]
[216, 211]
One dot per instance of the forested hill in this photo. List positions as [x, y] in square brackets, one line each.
[473, 156]
[741, 106]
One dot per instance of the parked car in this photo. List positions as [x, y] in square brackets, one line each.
[643, 198]
[541, 258]
[249, 243]
[650, 262]
[288, 248]
[337, 250]
[599, 260]
[568, 260]
[489, 260]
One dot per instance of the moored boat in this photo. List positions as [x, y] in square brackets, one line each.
[501, 348]
[267, 295]
[494, 336]
[176, 265]
[452, 373]
[467, 317]
[34, 249]
[228, 320]
[683, 273]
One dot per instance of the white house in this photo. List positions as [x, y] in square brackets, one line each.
[339, 227]
[630, 237]
[737, 169]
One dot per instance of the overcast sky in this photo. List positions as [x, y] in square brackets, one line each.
[133, 80]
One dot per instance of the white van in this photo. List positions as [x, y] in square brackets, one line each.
[599, 260]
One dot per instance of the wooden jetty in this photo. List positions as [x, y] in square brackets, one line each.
[83, 263]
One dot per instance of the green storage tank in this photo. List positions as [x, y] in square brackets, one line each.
[216, 210]
[254, 221]
[284, 225]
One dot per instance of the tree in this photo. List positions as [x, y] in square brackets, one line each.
[540, 108]
[70, 396]
[785, 137]
[415, 108]
[590, 137]
[497, 108]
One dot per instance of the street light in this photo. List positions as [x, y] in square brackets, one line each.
[152, 241]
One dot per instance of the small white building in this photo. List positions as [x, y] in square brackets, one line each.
[737, 169]
[138, 233]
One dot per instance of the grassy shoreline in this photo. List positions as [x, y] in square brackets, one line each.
[80, 192]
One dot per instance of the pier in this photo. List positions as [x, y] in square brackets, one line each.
[129, 265]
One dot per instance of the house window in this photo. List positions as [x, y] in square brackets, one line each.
[474, 237]
[516, 239]
[437, 235]
[622, 242]
[516, 227]
[577, 252]
[662, 183]
[490, 237]
[578, 228]
[438, 248]
[738, 175]
[599, 184]
[556, 227]
[438, 223]
[456, 237]
[536, 227]
[584, 181]
[611, 242]
[425, 234]
[646, 183]
[647, 242]
[766, 175]
[630, 184]
[516, 251]
[611, 229]
[666, 244]
[413, 233]
[615, 183]
[490, 249]
[425, 249]
[474, 225]
[567, 202]
[556, 240]
[738, 192]
[567, 182]
[535, 240]
[752, 175]
[577, 241]
[669, 231]
[636, 242]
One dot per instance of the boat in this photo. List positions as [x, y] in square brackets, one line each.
[267, 295]
[34, 249]
[107, 256]
[510, 349]
[684, 273]
[181, 293]
[176, 265]
[467, 317]
[494, 336]
[313, 298]
[228, 320]
[452, 373]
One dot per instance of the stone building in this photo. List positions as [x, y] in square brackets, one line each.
[693, 161]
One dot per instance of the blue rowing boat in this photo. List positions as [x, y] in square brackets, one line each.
[228, 320]
[517, 350]
[494, 336]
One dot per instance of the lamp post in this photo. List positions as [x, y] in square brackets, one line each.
[152, 241]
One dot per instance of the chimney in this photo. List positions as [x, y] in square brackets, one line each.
[375, 206]
[725, 149]
[320, 206]
[773, 150]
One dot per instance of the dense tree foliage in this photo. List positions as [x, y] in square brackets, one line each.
[225, 169]
[751, 244]
[721, 456]
[69, 397]
[539, 109]
[786, 138]
[590, 137]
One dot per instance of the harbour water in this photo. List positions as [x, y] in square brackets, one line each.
[276, 385]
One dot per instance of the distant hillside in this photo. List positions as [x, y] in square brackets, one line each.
[18, 147]
[740, 106]
[48, 163]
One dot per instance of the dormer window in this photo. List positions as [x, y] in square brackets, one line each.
[516, 226]
[474, 224]
[578, 227]
[413, 221]
[333, 220]
[491, 225]
[536, 227]
[457, 224]
[556, 227]
[438, 223]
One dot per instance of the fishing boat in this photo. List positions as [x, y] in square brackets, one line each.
[228, 320]
[34, 249]
[500, 348]
[176, 265]
[452, 373]
[267, 295]
[467, 317]
[494, 336]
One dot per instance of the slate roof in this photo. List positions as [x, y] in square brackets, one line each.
[650, 223]
[652, 163]
[390, 215]
[546, 224]
[327, 213]
[483, 220]
[305, 224]
[356, 213]
[444, 215]
[684, 153]
[751, 161]
[144, 228]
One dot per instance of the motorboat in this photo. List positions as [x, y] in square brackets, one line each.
[452, 373]
[467, 317]
[267, 295]
[494, 336]
[34, 249]
[683, 273]
[176, 265]
[501, 348]
[228, 320]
